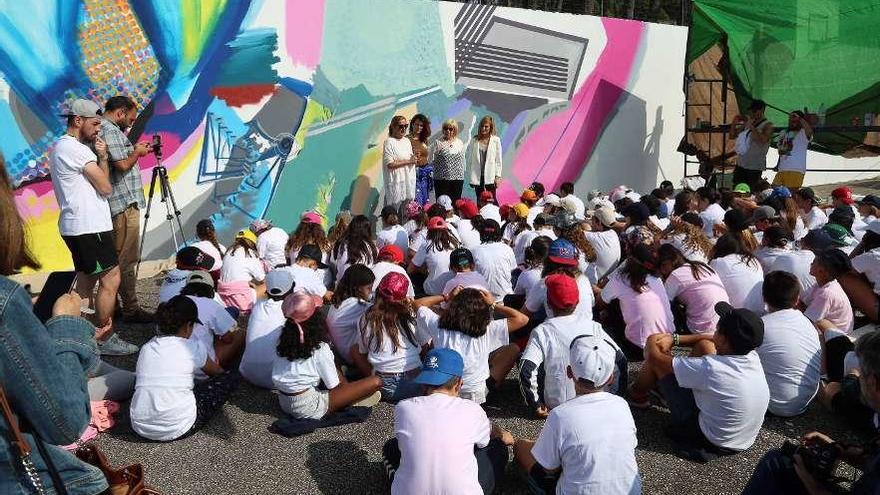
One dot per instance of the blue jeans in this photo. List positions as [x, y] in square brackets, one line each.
[399, 386]
[44, 370]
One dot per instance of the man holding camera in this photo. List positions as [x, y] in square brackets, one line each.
[752, 135]
[809, 467]
[126, 200]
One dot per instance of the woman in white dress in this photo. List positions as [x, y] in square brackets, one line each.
[399, 163]
[484, 158]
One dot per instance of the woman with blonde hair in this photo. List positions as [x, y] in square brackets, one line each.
[484, 158]
[399, 163]
[447, 155]
[419, 132]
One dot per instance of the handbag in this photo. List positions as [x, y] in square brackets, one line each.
[127, 480]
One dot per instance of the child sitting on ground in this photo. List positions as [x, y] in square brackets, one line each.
[467, 327]
[241, 268]
[350, 302]
[264, 328]
[390, 344]
[167, 405]
[217, 331]
[694, 285]
[310, 231]
[548, 349]
[209, 245]
[305, 361]
[829, 301]
[391, 259]
[188, 260]
[591, 438]
[392, 234]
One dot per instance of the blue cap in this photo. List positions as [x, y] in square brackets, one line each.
[440, 366]
[781, 192]
[663, 211]
[562, 251]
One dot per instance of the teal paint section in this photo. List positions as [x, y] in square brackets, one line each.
[251, 57]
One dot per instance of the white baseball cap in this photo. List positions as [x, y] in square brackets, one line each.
[592, 358]
[82, 108]
[445, 201]
[607, 216]
[551, 199]
[279, 282]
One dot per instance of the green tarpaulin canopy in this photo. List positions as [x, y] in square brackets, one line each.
[798, 53]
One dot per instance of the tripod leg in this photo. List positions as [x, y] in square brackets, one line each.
[146, 220]
[176, 211]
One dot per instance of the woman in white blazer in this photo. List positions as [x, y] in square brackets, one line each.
[484, 158]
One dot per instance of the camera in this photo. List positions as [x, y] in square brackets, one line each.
[156, 145]
[820, 458]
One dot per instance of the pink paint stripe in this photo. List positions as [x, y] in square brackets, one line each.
[559, 148]
[305, 23]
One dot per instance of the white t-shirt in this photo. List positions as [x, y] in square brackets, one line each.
[830, 302]
[163, 406]
[307, 280]
[209, 249]
[437, 434]
[549, 345]
[536, 297]
[731, 393]
[678, 241]
[767, 256]
[393, 235]
[815, 218]
[490, 211]
[438, 267]
[383, 268]
[743, 281]
[607, 247]
[302, 374]
[645, 313]
[264, 328]
[270, 246]
[797, 262]
[469, 236]
[869, 264]
[791, 356]
[579, 207]
[496, 261]
[712, 215]
[342, 263]
[386, 359]
[239, 266]
[215, 321]
[796, 159]
[342, 324]
[173, 283]
[468, 280]
[527, 279]
[474, 350]
[83, 210]
[593, 439]
[534, 211]
[325, 274]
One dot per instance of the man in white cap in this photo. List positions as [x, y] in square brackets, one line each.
[264, 328]
[602, 457]
[81, 180]
[605, 240]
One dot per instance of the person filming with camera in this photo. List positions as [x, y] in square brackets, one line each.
[809, 467]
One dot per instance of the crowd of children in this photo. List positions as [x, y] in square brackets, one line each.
[433, 307]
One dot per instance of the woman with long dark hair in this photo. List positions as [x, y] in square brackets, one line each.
[484, 157]
[740, 272]
[399, 163]
[695, 285]
[355, 246]
[419, 132]
[209, 245]
[310, 231]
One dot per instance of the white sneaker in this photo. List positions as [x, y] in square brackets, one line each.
[369, 401]
[114, 346]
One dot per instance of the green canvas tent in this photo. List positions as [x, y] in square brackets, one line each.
[800, 53]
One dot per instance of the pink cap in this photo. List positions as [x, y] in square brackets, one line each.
[298, 307]
[436, 223]
[393, 287]
[311, 217]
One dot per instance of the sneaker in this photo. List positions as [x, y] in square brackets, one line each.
[114, 346]
[138, 316]
[369, 401]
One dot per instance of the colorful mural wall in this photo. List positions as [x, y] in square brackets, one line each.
[270, 108]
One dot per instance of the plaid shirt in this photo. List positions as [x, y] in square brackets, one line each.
[127, 186]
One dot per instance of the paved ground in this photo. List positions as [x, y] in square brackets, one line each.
[235, 454]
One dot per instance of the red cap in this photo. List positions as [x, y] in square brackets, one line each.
[393, 287]
[391, 252]
[436, 223]
[529, 195]
[487, 196]
[504, 210]
[467, 208]
[562, 291]
[843, 194]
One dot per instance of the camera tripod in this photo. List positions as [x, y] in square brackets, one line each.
[172, 213]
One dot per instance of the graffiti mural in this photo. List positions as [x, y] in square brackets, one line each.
[267, 109]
